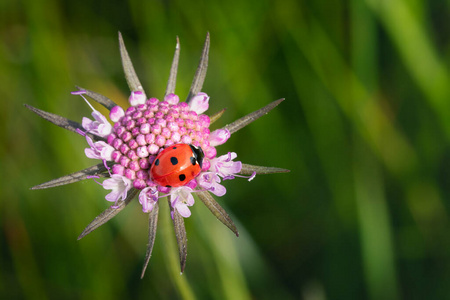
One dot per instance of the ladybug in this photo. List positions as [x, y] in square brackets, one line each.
[177, 165]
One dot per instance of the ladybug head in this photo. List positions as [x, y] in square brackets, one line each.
[198, 154]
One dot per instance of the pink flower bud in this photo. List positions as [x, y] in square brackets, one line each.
[136, 98]
[116, 113]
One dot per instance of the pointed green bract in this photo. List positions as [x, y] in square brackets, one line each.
[244, 121]
[130, 74]
[217, 115]
[152, 225]
[97, 170]
[170, 89]
[180, 233]
[103, 100]
[249, 169]
[61, 122]
[217, 210]
[108, 214]
[200, 74]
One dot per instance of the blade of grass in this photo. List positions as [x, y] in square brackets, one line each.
[419, 54]
[373, 214]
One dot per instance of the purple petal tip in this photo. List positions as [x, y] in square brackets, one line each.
[81, 92]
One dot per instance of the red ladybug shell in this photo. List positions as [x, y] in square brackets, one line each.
[177, 165]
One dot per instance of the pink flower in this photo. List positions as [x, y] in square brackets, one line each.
[130, 147]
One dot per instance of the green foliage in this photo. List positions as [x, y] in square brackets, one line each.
[365, 131]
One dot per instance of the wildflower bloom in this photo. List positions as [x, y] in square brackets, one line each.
[119, 185]
[180, 199]
[148, 197]
[128, 148]
[225, 167]
[98, 150]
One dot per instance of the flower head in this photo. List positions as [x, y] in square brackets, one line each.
[130, 146]
[147, 128]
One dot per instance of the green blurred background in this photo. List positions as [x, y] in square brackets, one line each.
[365, 131]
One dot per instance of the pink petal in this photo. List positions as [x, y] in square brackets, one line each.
[218, 190]
[199, 103]
[116, 113]
[183, 210]
[233, 168]
[86, 123]
[219, 136]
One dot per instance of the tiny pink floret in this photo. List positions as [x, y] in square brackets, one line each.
[211, 181]
[136, 98]
[148, 198]
[98, 150]
[116, 113]
[100, 126]
[172, 99]
[219, 137]
[199, 103]
[180, 199]
[225, 167]
[119, 185]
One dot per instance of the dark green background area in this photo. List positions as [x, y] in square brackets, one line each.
[365, 131]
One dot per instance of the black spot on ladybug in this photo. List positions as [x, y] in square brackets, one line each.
[168, 186]
[174, 148]
[182, 177]
[173, 160]
[157, 162]
[193, 161]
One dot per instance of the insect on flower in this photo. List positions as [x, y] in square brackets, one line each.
[159, 149]
[177, 165]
